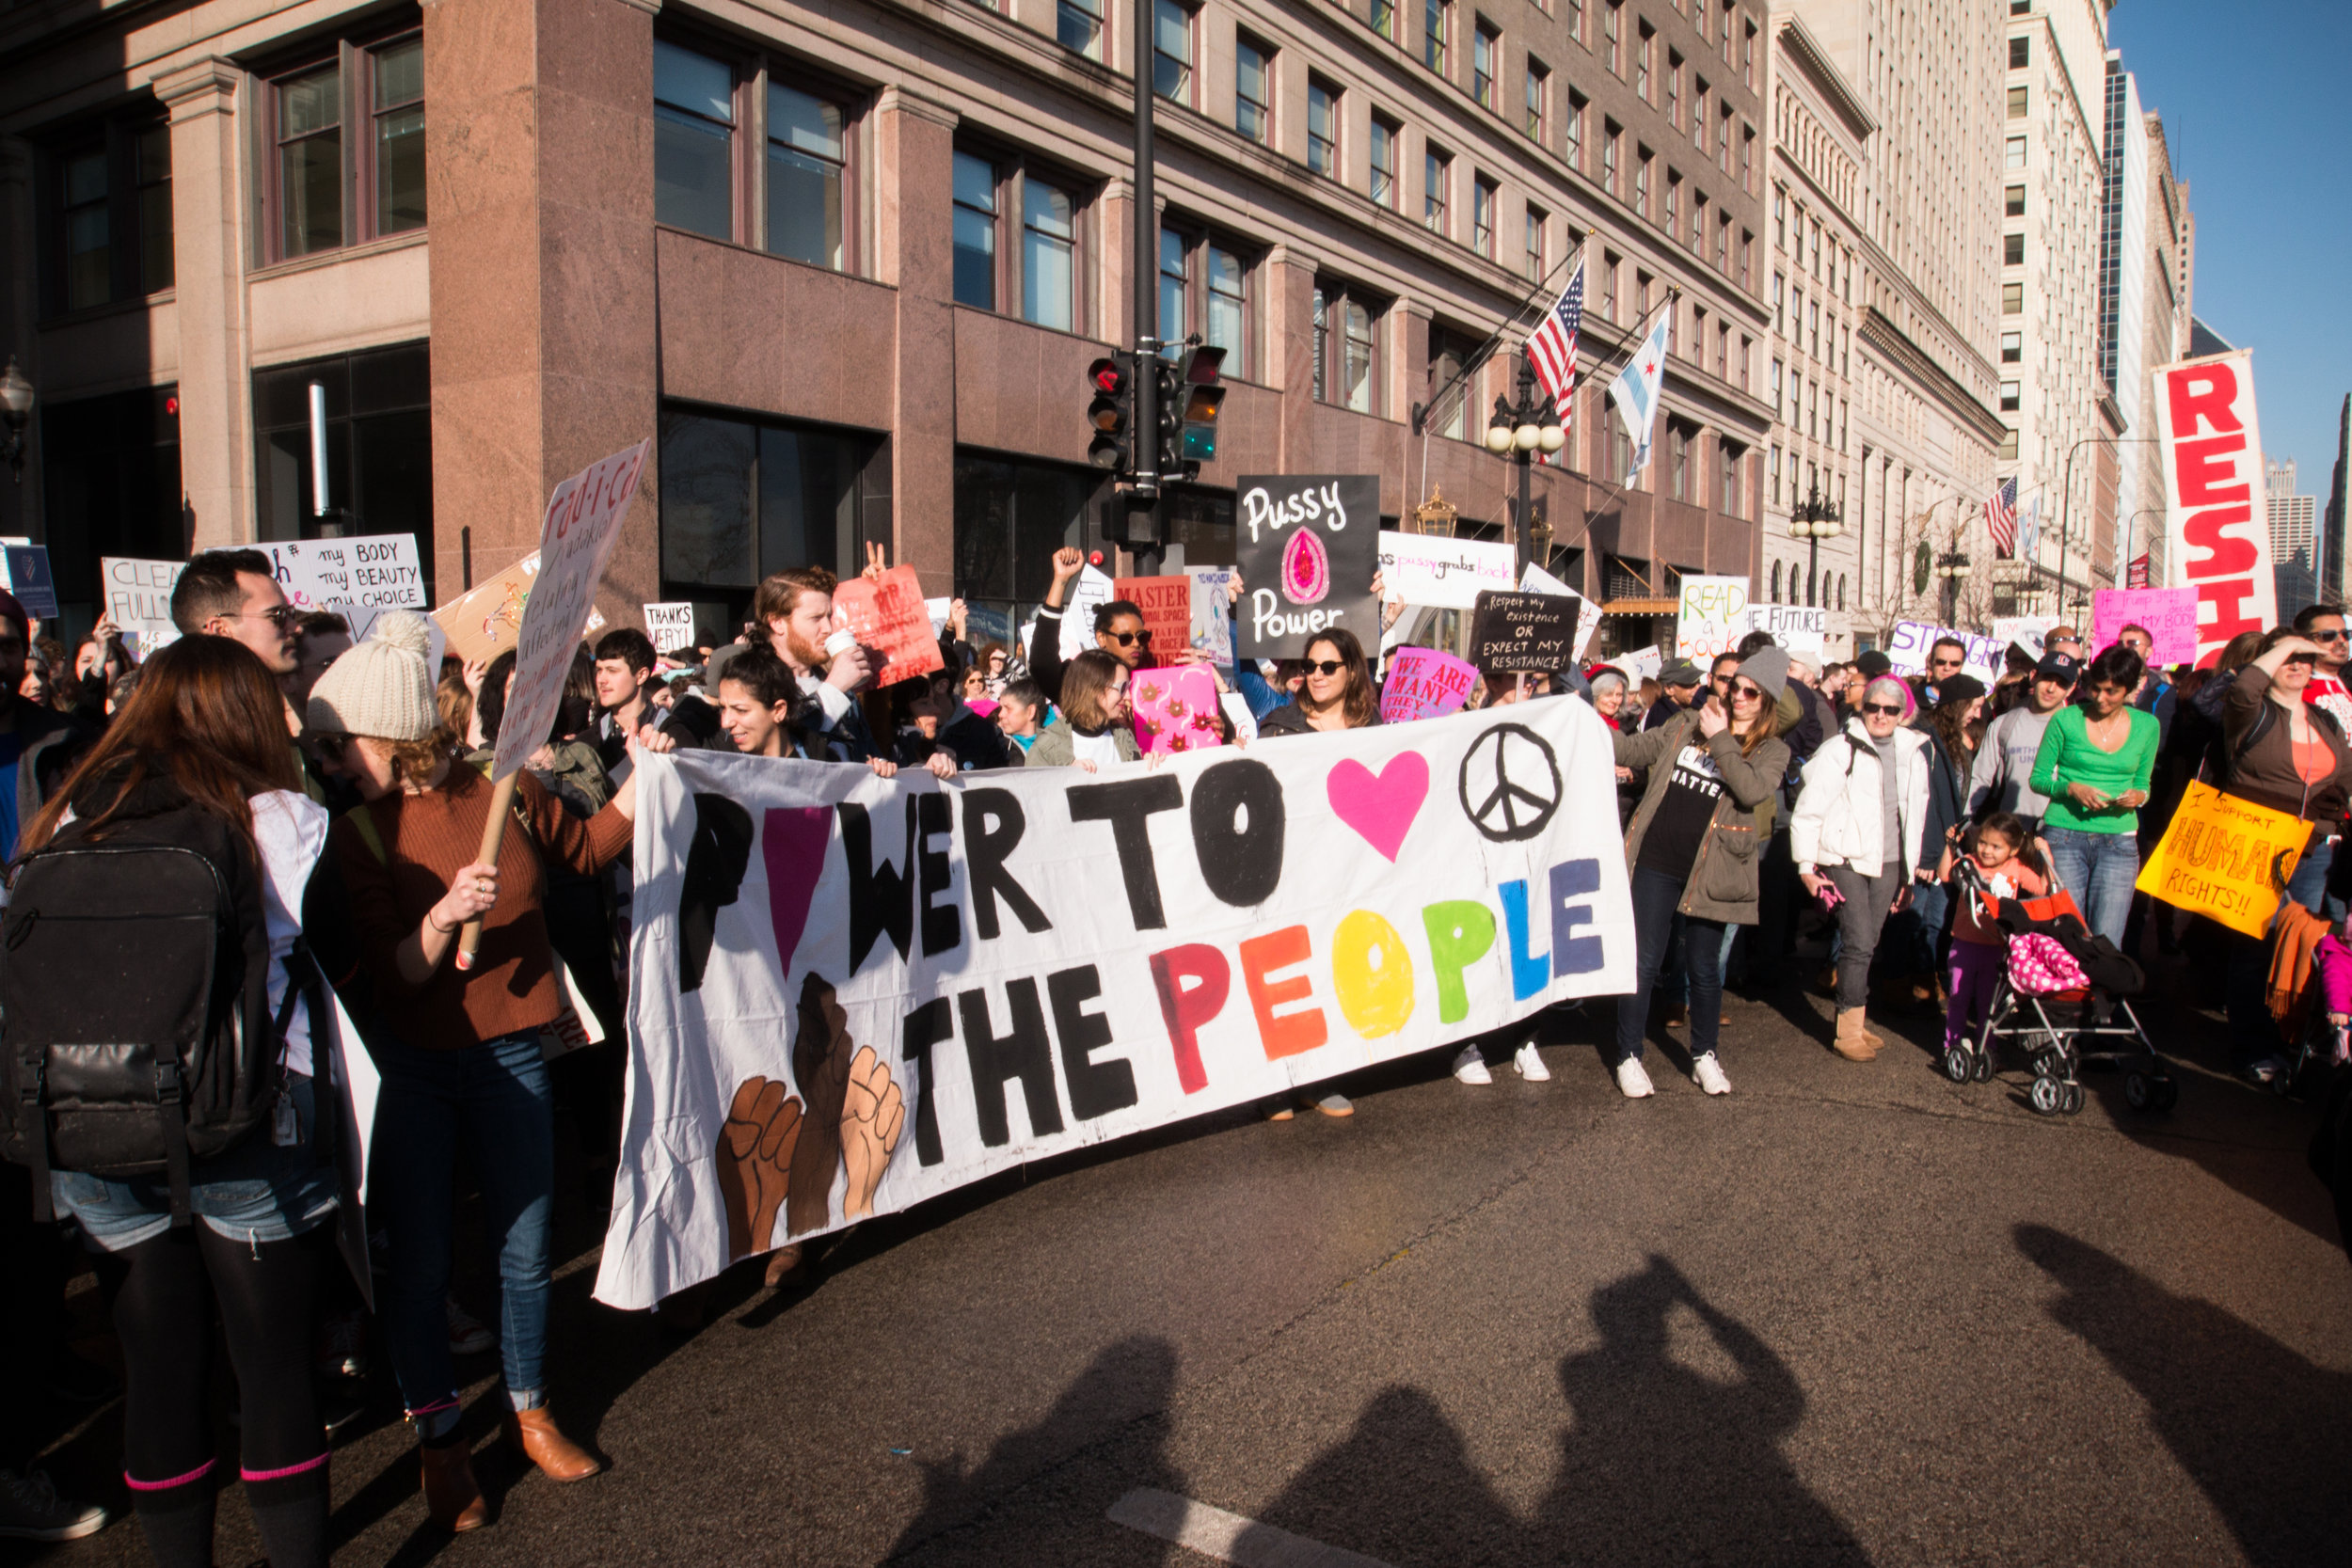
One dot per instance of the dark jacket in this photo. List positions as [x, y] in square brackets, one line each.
[1723, 885]
[1948, 795]
[972, 741]
[49, 744]
[1290, 718]
[2258, 746]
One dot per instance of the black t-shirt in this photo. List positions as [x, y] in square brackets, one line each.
[1672, 844]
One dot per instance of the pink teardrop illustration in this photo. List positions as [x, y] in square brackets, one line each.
[1306, 568]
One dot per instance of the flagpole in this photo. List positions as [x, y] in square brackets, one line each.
[1595, 510]
[1477, 363]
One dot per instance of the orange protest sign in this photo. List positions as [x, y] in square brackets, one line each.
[1167, 606]
[2225, 858]
[888, 615]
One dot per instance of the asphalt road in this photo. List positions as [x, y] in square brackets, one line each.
[1853, 1313]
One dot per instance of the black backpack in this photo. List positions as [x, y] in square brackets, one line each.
[135, 1002]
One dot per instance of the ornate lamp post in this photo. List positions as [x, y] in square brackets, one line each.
[1953, 568]
[1813, 520]
[1519, 431]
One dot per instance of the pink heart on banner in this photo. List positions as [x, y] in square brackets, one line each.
[1380, 806]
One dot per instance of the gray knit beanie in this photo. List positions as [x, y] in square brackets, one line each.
[381, 687]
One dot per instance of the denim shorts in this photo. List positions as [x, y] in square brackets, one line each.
[257, 1192]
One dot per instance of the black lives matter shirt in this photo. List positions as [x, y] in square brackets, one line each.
[1672, 844]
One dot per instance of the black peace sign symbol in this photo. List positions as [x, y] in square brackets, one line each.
[1510, 783]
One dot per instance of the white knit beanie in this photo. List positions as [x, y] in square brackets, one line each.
[381, 687]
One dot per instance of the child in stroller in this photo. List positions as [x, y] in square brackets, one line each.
[1994, 854]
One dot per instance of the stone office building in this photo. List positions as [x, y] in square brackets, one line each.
[849, 265]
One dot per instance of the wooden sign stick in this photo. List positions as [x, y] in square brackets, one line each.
[493, 835]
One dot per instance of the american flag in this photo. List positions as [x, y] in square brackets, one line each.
[2000, 515]
[1551, 347]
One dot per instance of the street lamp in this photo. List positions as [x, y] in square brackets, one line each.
[1813, 520]
[1953, 568]
[1519, 431]
[16, 407]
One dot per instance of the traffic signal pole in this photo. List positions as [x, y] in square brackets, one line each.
[1145, 264]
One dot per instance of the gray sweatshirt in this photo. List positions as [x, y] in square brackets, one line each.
[2002, 777]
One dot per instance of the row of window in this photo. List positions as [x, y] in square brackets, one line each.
[1805, 588]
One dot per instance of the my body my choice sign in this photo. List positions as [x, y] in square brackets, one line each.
[850, 994]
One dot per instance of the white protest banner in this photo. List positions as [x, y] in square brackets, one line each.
[1802, 632]
[1432, 570]
[1213, 613]
[2024, 630]
[1641, 664]
[28, 570]
[1711, 617]
[138, 599]
[1907, 650]
[575, 538]
[1537, 581]
[2217, 523]
[849, 994]
[1088, 594]
[379, 571]
[671, 624]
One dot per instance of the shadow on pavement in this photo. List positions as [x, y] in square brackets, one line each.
[2259, 1428]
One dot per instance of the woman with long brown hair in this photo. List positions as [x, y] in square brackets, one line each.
[1951, 757]
[206, 732]
[1092, 728]
[1337, 691]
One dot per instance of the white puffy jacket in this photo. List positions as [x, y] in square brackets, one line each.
[1841, 816]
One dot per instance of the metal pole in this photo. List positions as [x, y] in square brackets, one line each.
[1147, 268]
[1522, 417]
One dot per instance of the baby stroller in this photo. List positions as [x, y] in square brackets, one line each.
[2055, 963]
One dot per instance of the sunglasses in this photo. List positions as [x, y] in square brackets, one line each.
[1128, 639]
[2339, 635]
[283, 616]
[1745, 693]
[1325, 666]
[1892, 710]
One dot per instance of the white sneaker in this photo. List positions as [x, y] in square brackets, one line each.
[1531, 1065]
[1633, 1080]
[1710, 1073]
[1470, 1068]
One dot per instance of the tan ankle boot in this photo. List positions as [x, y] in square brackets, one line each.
[558, 1457]
[1852, 1042]
[451, 1497]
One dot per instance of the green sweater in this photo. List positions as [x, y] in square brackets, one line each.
[2067, 757]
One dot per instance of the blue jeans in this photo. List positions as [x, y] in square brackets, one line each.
[1933, 903]
[494, 1097]
[1655, 896]
[257, 1192]
[2099, 870]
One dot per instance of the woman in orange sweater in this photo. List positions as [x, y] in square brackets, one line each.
[458, 1048]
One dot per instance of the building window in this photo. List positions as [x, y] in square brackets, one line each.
[110, 217]
[1747, 158]
[1322, 128]
[1228, 315]
[976, 231]
[1437, 172]
[1772, 469]
[1613, 36]
[2012, 300]
[2009, 398]
[1722, 141]
[1387, 136]
[2013, 201]
[1679, 459]
[2017, 103]
[1253, 90]
[1773, 385]
[1723, 244]
[1674, 89]
[1775, 597]
[1576, 131]
[1610, 137]
[2020, 53]
[1538, 95]
[1673, 205]
[1641, 183]
[1204, 285]
[1384, 19]
[379, 446]
[310, 161]
[1449, 352]
[1812, 328]
[2012, 348]
[1722, 351]
[1437, 23]
[1175, 286]
[1747, 359]
[1747, 256]
[1780, 218]
[1171, 51]
[1608, 266]
[110, 486]
[314, 162]
[2015, 155]
[1728, 457]
[1078, 26]
[1483, 197]
[1049, 255]
[2008, 445]
[1698, 112]
[1537, 267]
[1643, 55]
[1010, 520]
[399, 140]
[1486, 61]
[807, 177]
[1747, 56]
[1780, 283]
[1345, 361]
[694, 140]
[1575, 14]
[2012, 250]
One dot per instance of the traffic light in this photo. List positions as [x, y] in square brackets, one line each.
[1192, 394]
[1109, 414]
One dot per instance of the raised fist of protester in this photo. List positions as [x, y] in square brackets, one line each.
[754, 1162]
[821, 1055]
[1068, 562]
[873, 1112]
[473, 892]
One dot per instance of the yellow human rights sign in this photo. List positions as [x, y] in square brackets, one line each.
[2226, 858]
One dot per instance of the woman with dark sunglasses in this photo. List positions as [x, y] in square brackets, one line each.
[1855, 835]
[1337, 693]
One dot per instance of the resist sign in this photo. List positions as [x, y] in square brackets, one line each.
[2217, 531]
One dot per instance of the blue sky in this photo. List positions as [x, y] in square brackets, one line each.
[2254, 95]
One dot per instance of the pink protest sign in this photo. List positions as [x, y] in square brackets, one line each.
[2168, 613]
[1425, 683]
[1176, 709]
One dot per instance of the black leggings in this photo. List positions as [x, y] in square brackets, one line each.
[162, 1292]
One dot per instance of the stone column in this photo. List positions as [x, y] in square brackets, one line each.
[915, 252]
[208, 256]
[1289, 359]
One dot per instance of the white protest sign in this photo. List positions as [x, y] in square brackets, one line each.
[1213, 615]
[138, 599]
[936, 982]
[1711, 617]
[1088, 594]
[1537, 581]
[1907, 650]
[1802, 632]
[1441, 573]
[938, 611]
[1641, 664]
[379, 571]
[575, 538]
[670, 624]
[2024, 630]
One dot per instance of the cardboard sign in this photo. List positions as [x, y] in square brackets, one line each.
[2169, 615]
[1213, 615]
[2226, 858]
[1175, 709]
[1515, 632]
[483, 620]
[1316, 907]
[1438, 573]
[1309, 546]
[887, 615]
[671, 625]
[1425, 682]
[379, 571]
[1711, 618]
[2023, 630]
[2217, 521]
[137, 595]
[1167, 606]
[1907, 650]
[30, 582]
[1088, 594]
[1803, 633]
[1537, 581]
[581, 524]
